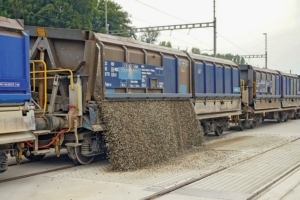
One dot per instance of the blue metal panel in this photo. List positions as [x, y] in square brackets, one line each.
[227, 80]
[110, 90]
[183, 89]
[235, 79]
[199, 77]
[215, 80]
[130, 75]
[14, 68]
[210, 78]
[277, 81]
[170, 75]
[288, 86]
[284, 85]
[219, 79]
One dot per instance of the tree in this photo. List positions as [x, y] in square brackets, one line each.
[117, 18]
[5, 8]
[196, 50]
[235, 58]
[243, 61]
[165, 44]
[150, 36]
[54, 13]
[77, 14]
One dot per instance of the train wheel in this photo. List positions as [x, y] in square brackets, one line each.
[242, 125]
[3, 162]
[75, 154]
[253, 125]
[33, 157]
[279, 119]
[219, 131]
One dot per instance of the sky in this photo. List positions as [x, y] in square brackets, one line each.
[240, 27]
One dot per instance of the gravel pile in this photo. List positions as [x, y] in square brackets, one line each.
[146, 132]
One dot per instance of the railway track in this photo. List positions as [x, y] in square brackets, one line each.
[26, 161]
[62, 158]
[36, 173]
[71, 165]
[203, 177]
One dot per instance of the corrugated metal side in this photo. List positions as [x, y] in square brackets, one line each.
[199, 76]
[14, 67]
[170, 70]
[227, 80]
[159, 72]
[298, 85]
[215, 80]
[235, 80]
[210, 79]
[288, 85]
[278, 83]
[219, 79]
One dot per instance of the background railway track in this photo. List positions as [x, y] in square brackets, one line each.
[195, 180]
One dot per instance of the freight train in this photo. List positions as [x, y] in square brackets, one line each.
[52, 83]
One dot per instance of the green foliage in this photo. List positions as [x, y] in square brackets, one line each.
[150, 36]
[196, 50]
[4, 11]
[116, 17]
[77, 14]
[54, 13]
[165, 44]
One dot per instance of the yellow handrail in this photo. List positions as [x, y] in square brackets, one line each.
[242, 84]
[45, 78]
[45, 71]
[60, 70]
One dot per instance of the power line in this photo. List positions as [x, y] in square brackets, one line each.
[143, 20]
[233, 44]
[188, 22]
[161, 11]
[164, 28]
[200, 41]
[177, 32]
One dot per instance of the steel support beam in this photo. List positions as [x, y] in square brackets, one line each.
[254, 56]
[165, 28]
[215, 30]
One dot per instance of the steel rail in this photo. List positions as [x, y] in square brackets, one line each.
[36, 173]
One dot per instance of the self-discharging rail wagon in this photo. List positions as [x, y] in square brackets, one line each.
[52, 83]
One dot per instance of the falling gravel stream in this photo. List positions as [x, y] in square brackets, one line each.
[146, 132]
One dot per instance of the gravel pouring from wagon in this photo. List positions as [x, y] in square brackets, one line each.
[145, 132]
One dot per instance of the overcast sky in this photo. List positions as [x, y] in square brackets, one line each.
[240, 27]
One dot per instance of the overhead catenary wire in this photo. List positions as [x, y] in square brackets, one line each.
[65, 22]
[150, 23]
[190, 22]
[187, 22]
